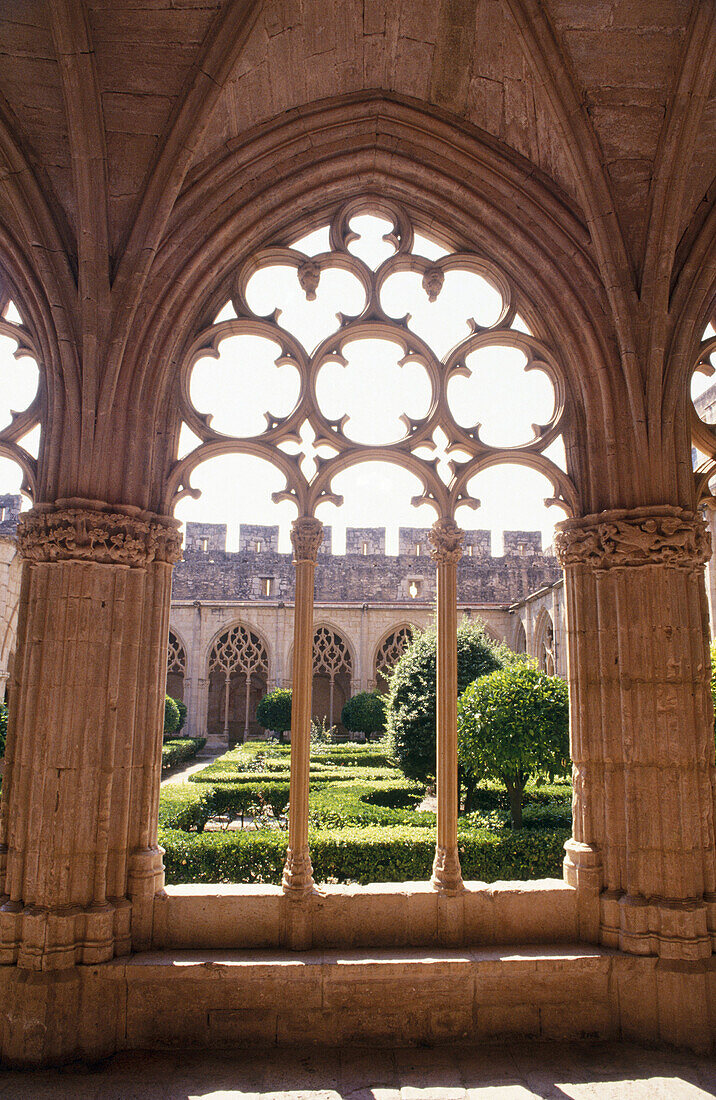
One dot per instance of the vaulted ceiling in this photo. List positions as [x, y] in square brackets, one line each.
[111, 105]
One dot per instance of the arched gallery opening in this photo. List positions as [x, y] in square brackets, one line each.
[172, 237]
[238, 677]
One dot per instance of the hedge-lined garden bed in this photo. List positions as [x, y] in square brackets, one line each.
[180, 750]
[361, 854]
[365, 825]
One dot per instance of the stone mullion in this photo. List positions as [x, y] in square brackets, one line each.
[306, 536]
[446, 538]
[647, 672]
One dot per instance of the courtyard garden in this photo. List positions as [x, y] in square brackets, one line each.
[368, 822]
[372, 805]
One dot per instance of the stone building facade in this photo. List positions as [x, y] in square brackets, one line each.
[369, 603]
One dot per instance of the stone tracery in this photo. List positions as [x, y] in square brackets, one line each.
[390, 649]
[371, 323]
[331, 657]
[239, 652]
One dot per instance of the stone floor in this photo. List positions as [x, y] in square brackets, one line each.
[513, 1071]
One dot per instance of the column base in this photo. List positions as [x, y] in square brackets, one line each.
[297, 878]
[37, 938]
[447, 875]
[672, 929]
[145, 879]
[582, 869]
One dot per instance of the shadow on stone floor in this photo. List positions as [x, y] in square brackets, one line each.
[506, 1071]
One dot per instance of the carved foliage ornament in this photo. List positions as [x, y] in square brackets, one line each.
[446, 539]
[105, 537]
[646, 536]
[306, 537]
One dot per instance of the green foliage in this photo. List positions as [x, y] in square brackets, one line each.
[321, 732]
[183, 711]
[3, 727]
[411, 700]
[179, 750]
[712, 651]
[364, 825]
[376, 854]
[364, 713]
[274, 711]
[190, 806]
[171, 716]
[357, 802]
[513, 725]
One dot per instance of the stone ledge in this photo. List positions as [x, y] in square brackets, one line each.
[379, 996]
[379, 915]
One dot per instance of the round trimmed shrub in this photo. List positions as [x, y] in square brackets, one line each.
[274, 711]
[513, 725]
[364, 713]
[411, 702]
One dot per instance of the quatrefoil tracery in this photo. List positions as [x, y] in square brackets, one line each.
[25, 422]
[704, 435]
[333, 448]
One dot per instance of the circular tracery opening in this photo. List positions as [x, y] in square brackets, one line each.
[364, 342]
[19, 402]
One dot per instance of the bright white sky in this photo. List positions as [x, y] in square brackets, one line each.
[372, 388]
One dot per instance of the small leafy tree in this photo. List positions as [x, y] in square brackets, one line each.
[712, 650]
[513, 725]
[3, 727]
[411, 703]
[182, 708]
[364, 713]
[274, 711]
[171, 716]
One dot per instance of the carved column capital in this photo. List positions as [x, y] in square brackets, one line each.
[662, 535]
[306, 537]
[446, 542]
[93, 532]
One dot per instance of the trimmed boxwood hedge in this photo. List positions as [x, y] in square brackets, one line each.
[187, 806]
[368, 803]
[363, 855]
[180, 749]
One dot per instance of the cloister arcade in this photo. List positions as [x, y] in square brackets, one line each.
[563, 164]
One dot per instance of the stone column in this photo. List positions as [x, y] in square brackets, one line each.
[642, 852]
[79, 860]
[529, 630]
[446, 539]
[306, 535]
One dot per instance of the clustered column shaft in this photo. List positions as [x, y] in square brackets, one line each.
[446, 539]
[642, 730]
[306, 537]
[79, 861]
